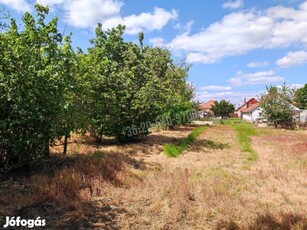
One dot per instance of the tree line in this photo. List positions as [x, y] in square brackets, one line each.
[49, 90]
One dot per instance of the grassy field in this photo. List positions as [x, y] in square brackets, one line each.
[231, 176]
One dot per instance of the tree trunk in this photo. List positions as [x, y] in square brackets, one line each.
[65, 144]
[99, 139]
[47, 151]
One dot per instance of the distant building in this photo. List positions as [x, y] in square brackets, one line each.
[205, 109]
[245, 106]
[303, 117]
[253, 113]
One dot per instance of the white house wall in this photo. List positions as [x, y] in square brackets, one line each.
[303, 116]
[256, 113]
[247, 117]
[251, 117]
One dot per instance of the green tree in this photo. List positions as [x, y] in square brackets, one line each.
[131, 85]
[72, 116]
[31, 89]
[301, 97]
[222, 108]
[276, 105]
[48, 91]
[141, 39]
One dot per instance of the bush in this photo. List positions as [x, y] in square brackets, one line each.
[32, 86]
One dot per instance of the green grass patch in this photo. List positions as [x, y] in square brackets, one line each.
[175, 150]
[244, 132]
[222, 122]
[214, 145]
[171, 150]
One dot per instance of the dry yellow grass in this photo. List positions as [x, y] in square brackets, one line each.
[210, 186]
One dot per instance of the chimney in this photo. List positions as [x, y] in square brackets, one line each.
[244, 100]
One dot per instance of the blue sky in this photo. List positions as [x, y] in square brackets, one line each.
[236, 47]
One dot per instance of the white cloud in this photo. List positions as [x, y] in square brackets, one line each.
[148, 21]
[236, 34]
[232, 96]
[50, 3]
[241, 32]
[200, 58]
[293, 59]
[263, 77]
[185, 28]
[292, 86]
[18, 5]
[157, 41]
[216, 87]
[296, 86]
[85, 14]
[233, 4]
[258, 64]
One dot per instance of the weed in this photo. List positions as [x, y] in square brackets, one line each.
[176, 150]
[171, 150]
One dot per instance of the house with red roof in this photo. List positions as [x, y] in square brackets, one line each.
[253, 113]
[205, 108]
[245, 106]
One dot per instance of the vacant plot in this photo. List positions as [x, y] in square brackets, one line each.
[222, 180]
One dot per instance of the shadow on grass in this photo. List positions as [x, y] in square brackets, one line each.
[202, 145]
[214, 144]
[59, 190]
[286, 221]
[152, 136]
[93, 215]
[41, 166]
[141, 164]
[176, 150]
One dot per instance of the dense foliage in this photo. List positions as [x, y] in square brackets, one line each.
[131, 84]
[276, 105]
[222, 108]
[301, 97]
[48, 90]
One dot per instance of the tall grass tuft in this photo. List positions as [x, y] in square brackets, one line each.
[66, 185]
[176, 150]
